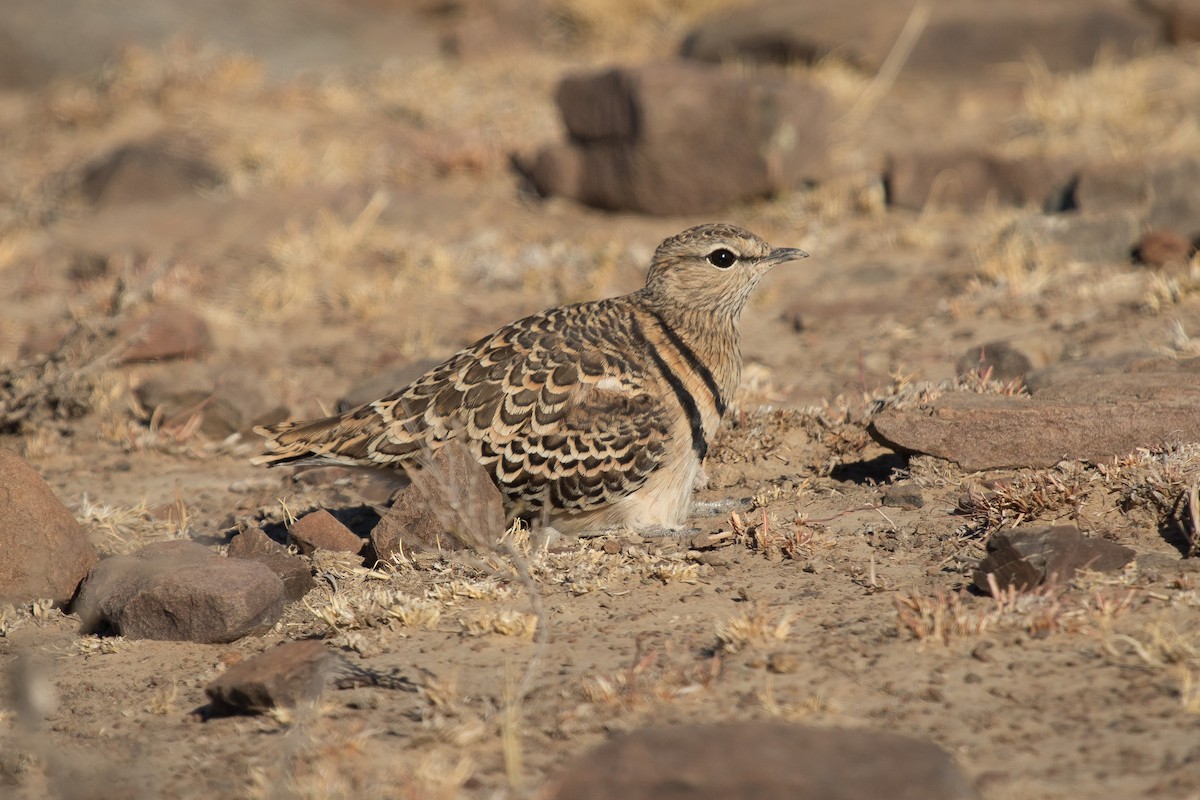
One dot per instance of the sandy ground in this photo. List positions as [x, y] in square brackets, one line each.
[370, 221]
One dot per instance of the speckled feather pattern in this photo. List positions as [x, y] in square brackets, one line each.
[587, 416]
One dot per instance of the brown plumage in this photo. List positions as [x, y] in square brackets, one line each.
[594, 415]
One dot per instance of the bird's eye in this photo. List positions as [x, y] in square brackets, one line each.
[722, 259]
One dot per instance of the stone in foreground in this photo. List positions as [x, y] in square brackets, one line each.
[762, 761]
[179, 591]
[43, 551]
[1025, 558]
[285, 676]
[452, 504]
[320, 530]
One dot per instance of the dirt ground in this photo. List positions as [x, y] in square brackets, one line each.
[369, 220]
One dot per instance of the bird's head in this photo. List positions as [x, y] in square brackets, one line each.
[712, 268]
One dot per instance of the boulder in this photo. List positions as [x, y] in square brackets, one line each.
[180, 591]
[679, 138]
[44, 552]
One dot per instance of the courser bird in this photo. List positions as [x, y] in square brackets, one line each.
[589, 416]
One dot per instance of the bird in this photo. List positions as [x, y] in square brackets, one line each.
[587, 417]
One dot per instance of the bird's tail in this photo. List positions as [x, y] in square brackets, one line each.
[329, 440]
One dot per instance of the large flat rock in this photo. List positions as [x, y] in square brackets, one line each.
[980, 432]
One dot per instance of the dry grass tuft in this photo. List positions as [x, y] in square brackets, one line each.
[655, 676]
[504, 621]
[1029, 496]
[13, 617]
[124, 529]
[1126, 109]
[755, 628]
[628, 26]
[1162, 646]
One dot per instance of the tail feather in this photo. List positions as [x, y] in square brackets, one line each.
[330, 440]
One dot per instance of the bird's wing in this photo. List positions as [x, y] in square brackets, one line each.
[559, 413]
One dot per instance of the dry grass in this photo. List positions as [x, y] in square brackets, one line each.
[124, 529]
[1162, 646]
[1168, 289]
[13, 617]
[756, 627]
[655, 676]
[629, 27]
[1114, 110]
[1031, 495]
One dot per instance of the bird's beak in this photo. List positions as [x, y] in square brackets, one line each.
[781, 254]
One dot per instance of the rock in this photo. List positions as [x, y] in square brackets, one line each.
[971, 180]
[905, 494]
[452, 504]
[320, 530]
[1000, 361]
[1161, 248]
[148, 171]
[286, 676]
[1025, 558]
[1092, 238]
[959, 37]
[254, 542]
[1183, 22]
[227, 399]
[254, 545]
[763, 761]
[384, 383]
[179, 591]
[295, 573]
[44, 552]
[980, 432]
[1162, 193]
[164, 333]
[636, 143]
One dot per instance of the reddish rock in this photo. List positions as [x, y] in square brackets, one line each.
[762, 761]
[44, 553]
[998, 360]
[180, 591]
[960, 36]
[320, 530]
[1025, 558]
[285, 676]
[147, 172]
[1183, 22]
[981, 432]
[905, 494]
[452, 504]
[254, 545]
[1161, 248]
[164, 333]
[254, 542]
[637, 142]
[971, 180]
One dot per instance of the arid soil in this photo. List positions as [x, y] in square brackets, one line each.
[307, 230]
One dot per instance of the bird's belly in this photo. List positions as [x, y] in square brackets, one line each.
[665, 499]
